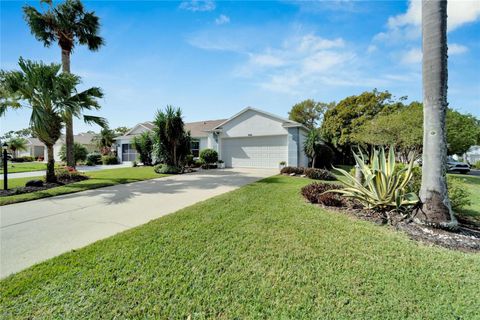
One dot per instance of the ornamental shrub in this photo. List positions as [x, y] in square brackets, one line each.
[94, 158]
[80, 152]
[319, 174]
[314, 193]
[209, 156]
[167, 169]
[109, 159]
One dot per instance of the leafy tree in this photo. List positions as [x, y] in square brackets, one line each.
[22, 133]
[104, 140]
[172, 142]
[462, 130]
[16, 144]
[401, 129]
[67, 24]
[309, 113]
[144, 146]
[435, 205]
[121, 131]
[80, 153]
[342, 121]
[50, 95]
[312, 145]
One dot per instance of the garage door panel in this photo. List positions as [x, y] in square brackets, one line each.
[254, 152]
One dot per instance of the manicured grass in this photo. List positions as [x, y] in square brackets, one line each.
[98, 179]
[260, 252]
[473, 187]
[14, 167]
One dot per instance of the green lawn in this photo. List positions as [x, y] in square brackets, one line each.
[14, 167]
[98, 179]
[260, 252]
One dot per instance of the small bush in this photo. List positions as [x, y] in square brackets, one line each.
[290, 170]
[80, 152]
[167, 169]
[209, 156]
[458, 194]
[109, 160]
[134, 164]
[93, 159]
[23, 159]
[319, 174]
[40, 158]
[314, 193]
[69, 174]
[199, 163]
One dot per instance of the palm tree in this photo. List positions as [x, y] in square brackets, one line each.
[172, 142]
[104, 140]
[312, 144]
[436, 209]
[16, 144]
[50, 95]
[67, 24]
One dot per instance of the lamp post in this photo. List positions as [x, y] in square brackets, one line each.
[5, 166]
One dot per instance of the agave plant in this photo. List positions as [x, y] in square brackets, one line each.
[383, 186]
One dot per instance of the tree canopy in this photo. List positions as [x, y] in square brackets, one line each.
[343, 120]
[309, 112]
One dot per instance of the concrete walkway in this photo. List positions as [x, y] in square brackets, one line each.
[34, 231]
[79, 168]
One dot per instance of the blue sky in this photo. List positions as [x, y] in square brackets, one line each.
[213, 58]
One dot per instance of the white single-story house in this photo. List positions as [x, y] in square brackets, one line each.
[36, 148]
[251, 138]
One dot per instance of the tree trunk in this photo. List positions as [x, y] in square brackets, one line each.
[69, 121]
[50, 165]
[435, 209]
[313, 161]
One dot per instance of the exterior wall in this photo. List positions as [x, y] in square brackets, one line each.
[119, 144]
[252, 123]
[303, 161]
[137, 130]
[56, 151]
[293, 142]
[203, 142]
[212, 141]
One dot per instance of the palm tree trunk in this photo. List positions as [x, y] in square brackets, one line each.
[436, 209]
[50, 165]
[69, 123]
[313, 161]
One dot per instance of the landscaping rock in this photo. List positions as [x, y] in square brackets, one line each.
[34, 183]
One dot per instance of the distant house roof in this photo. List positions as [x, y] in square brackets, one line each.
[201, 128]
[82, 138]
[35, 142]
[197, 129]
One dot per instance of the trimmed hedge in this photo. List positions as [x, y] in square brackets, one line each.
[312, 173]
[109, 160]
[23, 159]
[315, 193]
[167, 169]
[93, 159]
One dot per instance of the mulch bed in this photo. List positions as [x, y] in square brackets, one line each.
[465, 238]
[49, 185]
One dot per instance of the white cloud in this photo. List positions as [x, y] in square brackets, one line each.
[372, 48]
[198, 5]
[406, 26]
[222, 19]
[412, 56]
[455, 48]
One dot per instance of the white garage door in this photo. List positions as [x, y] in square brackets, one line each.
[254, 152]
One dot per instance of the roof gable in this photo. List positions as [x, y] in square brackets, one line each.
[285, 122]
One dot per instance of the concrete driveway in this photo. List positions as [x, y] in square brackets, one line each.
[34, 231]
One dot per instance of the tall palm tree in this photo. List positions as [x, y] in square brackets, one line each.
[50, 95]
[67, 24]
[17, 144]
[436, 209]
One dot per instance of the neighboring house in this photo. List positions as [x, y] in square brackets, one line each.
[36, 148]
[251, 138]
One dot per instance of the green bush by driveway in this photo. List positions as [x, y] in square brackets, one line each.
[260, 252]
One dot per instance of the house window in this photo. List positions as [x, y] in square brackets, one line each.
[128, 152]
[195, 147]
